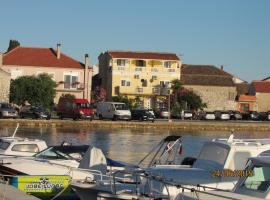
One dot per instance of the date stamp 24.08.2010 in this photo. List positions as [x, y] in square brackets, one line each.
[231, 173]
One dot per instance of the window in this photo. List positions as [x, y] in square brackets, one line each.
[139, 90]
[4, 145]
[140, 63]
[144, 82]
[136, 76]
[154, 70]
[154, 77]
[121, 107]
[214, 153]
[260, 180]
[121, 62]
[168, 64]
[25, 148]
[125, 83]
[52, 153]
[165, 83]
[70, 82]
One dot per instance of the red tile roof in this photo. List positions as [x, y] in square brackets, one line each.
[42, 57]
[247, 98]
[261, 86]
[143, 55]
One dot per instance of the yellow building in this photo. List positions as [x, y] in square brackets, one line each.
[140, 75]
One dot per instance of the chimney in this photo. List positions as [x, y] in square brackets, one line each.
[221, 67]
[86, 60]
[58, 51]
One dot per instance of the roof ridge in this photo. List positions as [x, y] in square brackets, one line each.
[124, 51]
[8, 52]
[67, 56]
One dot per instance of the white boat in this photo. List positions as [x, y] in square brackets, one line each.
[217, 155]
[17, 146]
[253, 187]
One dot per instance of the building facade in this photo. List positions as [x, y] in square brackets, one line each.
[215, 86]
[70, 75]
[261, 89]
[4, 86]
[141, 75]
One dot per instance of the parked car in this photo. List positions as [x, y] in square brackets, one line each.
[74, 108]
[235, 115]
[264, 116]
[251, 115]
[7, 111]
[186, 114]
[221, 115]
[163, 113]
[113, 110]
[35, 112]
[207, 115]
[142, 115]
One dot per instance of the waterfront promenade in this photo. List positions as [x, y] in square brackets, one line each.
[158, 124]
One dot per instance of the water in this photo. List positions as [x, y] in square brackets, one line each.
[128, 145]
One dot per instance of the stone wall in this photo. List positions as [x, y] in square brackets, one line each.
[4, 86]
[216, 98]
[263, 101]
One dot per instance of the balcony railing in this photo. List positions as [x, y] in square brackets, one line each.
[138, 69]
[157, 90]
[139, 90]
[154, 70]
[171, 70]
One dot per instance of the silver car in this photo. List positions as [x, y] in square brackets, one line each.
[7, 111]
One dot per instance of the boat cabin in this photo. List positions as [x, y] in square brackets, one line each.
[16, 146]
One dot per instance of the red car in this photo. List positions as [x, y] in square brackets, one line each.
[74, 108]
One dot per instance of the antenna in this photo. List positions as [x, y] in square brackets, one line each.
[16, 130]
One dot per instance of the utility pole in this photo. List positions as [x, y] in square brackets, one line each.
[169, 105]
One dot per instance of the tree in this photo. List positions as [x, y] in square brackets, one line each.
[13, 44]
[37, 90]
[176, 85]
[71, 96]
[99, 94]
[182, 98]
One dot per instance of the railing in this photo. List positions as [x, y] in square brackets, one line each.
[156, 90]
[139, 90]
[154, 70]
[138, 69]
[171, 70]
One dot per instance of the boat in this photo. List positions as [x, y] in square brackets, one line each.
[18, 146]
[216, 155]
[256, 186]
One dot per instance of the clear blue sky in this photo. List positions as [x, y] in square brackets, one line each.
[233, 33]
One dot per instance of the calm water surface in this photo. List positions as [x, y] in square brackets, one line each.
[129, 145]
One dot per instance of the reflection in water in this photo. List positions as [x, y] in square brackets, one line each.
[125, 144]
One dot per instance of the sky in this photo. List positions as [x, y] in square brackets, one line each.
[232, 33]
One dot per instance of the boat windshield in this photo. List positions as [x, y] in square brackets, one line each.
[52, 153]
[4, 145]
[260, 179]
[214, 152]
[120, 107]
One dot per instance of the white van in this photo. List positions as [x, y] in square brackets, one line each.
[113, 110]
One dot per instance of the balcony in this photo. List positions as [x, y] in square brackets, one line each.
[141, 91]
[138, 69]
